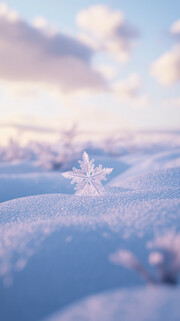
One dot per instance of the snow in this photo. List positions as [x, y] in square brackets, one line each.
[145, 162]
[21, 179]
[55, 247]
[13, 186]
[142, 304]
[169, 178]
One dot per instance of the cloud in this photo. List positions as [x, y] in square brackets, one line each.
[166, 69]
[30, 54]
[42, 24]
[108, 71]
[127, 88]
[108, 31]
[128, 91]
[175, 30]
[11, 15]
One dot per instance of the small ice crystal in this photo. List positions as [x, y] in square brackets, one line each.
[88, 179]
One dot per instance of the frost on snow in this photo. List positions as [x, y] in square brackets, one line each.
[88, 178]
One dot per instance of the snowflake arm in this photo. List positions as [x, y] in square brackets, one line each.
[88, 179]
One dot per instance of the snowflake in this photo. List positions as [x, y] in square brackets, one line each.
[88, 178]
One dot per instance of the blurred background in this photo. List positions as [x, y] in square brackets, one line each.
[84, 75]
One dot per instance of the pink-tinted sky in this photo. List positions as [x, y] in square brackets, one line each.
[103, 66]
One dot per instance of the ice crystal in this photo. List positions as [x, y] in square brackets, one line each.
[88, 179]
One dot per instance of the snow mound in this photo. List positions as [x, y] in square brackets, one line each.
[145, 163]
[137, 211]
[55, 248]
[167, 178]
[142, 304]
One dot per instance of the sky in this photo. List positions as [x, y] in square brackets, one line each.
[104, 66]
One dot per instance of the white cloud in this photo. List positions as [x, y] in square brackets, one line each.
[175, 31]
[107, 71]
[166, 69]
[100, 19]
[11, 15]
[127, 88]
[108, 30]
[128, 91]
[42, 24]
[175, 28]
[29, 55]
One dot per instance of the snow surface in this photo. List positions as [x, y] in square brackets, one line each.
[142, 304]
[55, 248]
[13, 186]
[147, 162]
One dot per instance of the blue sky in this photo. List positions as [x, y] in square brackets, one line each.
[141, 92]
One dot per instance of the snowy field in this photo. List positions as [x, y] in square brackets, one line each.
[112, 257]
